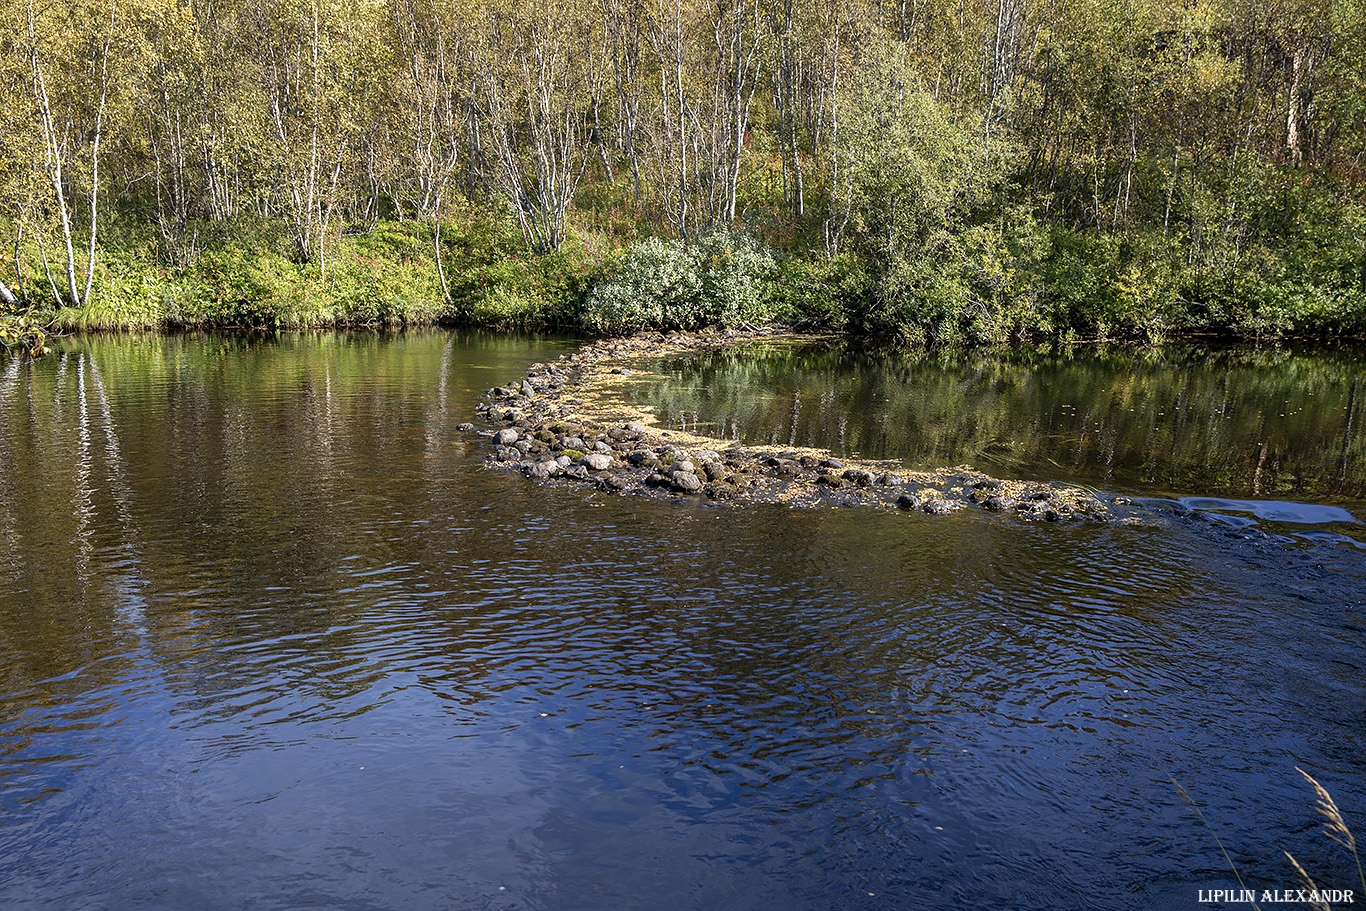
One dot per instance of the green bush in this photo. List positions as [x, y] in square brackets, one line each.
[1103, 285]
[721, 280]
[979, 286]
[820, 293]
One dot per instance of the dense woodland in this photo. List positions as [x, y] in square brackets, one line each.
[930, 171]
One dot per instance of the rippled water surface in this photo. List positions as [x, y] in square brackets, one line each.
[272, 637]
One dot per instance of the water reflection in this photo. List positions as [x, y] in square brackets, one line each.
[1246, 423]
[368, 673]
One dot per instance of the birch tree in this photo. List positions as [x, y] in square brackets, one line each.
[67, 52]
[535, 96]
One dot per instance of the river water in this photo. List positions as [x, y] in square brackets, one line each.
[271, 636]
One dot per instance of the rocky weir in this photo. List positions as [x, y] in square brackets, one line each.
[560, 424]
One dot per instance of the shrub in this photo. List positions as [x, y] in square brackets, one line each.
[819, 294]
[721, 280]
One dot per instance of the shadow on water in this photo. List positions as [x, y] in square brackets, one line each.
[272, 636]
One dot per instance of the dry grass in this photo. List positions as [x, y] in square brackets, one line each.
[1334, 826]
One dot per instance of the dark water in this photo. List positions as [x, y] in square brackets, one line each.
[271, 637]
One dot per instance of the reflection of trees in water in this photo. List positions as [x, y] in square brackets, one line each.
[1245, 422]
[231, 488]
[72, 543]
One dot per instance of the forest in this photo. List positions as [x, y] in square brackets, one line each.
[924, 172]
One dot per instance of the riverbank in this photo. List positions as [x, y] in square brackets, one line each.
[566, 423]
[243, 276]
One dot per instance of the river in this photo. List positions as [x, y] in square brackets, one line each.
[273, 636]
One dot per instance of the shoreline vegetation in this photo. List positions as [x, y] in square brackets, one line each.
[926, 175]
[385, 276]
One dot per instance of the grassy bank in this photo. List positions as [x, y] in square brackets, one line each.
[988, 284]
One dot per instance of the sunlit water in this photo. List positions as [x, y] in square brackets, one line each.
[271, 636]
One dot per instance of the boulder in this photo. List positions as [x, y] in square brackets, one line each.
[596, 461]
[506, 437]
[540, 471]
[721, 491]
[685, 482]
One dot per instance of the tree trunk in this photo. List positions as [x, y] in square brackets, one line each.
[1292, 112]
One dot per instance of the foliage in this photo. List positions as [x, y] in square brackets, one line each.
[819, 293]
[23, 332]
[936, 173]
[718, 281]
